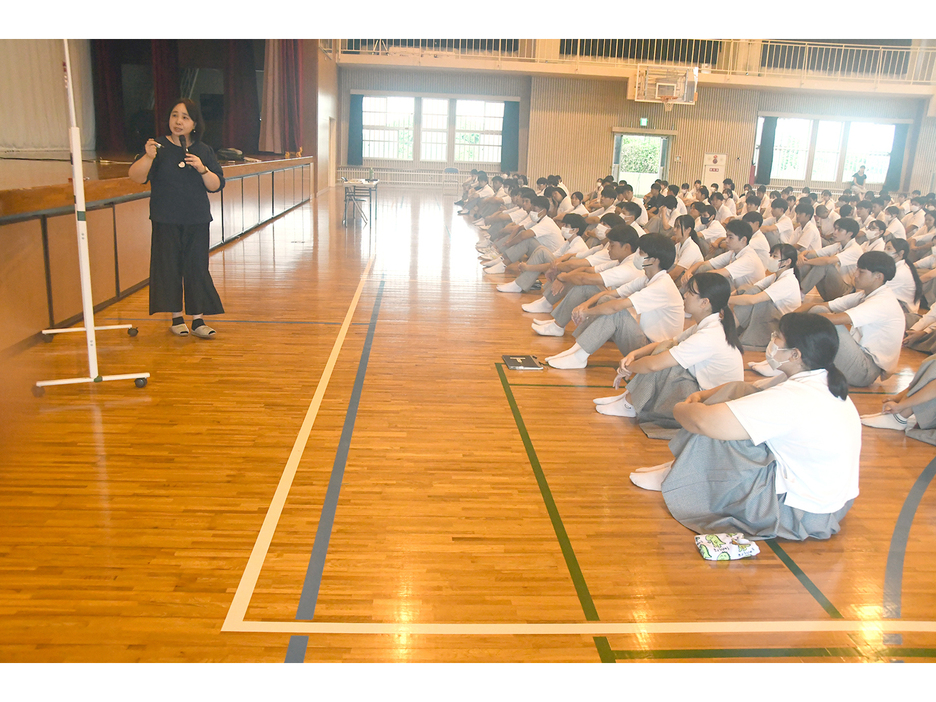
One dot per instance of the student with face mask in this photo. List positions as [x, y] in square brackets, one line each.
[759, 306]
[831, 269]
[895, 229]
[873, 236]
[663, 373]
[761, 463]
[543, 257]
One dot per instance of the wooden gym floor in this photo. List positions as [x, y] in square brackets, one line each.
[348, 473]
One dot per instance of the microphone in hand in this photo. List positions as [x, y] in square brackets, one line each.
[182, 163]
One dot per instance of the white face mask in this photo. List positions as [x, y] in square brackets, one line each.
[638, 262]
[601, 230]
[567, 233]
[534, 216]
[772, 264]
[874, 234]
[914, 208]
[772, 361]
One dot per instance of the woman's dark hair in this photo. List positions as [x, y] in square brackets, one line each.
[789, 252]
[741, 229]
[703, 191]
[578, 196]
[817, 341]
[901, 246]
[716, 289]
[576, 221]
[878, 262]
[660, 247]
[687, 222]
[195, 114]
[611, 220]
[624, 234]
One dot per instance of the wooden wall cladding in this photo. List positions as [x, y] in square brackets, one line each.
[24, 304]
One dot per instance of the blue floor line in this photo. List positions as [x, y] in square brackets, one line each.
[313, 580]
[893, 574]
[228, 321]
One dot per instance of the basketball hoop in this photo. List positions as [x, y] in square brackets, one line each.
[668, 101]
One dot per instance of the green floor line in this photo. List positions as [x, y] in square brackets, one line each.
[804, 579]
[715, 653]
[568, 553]
[557, 385]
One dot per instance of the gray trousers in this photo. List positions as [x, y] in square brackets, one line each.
[728, 486]
[524, 248]
[925, 413]
[929, 291]
[542, 255]
[827, 280]
[621, 327]
[773, 238]
[574, 297]
[855, 363]
[755, 324]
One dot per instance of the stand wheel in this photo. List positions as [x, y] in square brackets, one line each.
[140, 382]
[38, 391]
[133, 331]
[47, 338]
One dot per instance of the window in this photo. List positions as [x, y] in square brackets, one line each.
[433, 143]
[791, 149]
[828, 147]
[869, 145]
[757, 138]
[388, 127]
[478, 126]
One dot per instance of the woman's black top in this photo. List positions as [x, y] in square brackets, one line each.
[178, 195]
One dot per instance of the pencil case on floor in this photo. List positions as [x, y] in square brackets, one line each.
[725, 547]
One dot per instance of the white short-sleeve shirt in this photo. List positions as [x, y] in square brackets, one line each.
[703, 351]
[896, 229]
[784, 229]
[688, 253]
[903, 286]
[783, 289]
[723, 213]
[580, 209]
[744, 266]
[486, 191]
[926, 321]
[760, 244]
[712, 231]
[565, 205]
[814, 436]
[827, 225]
[547, 233]
[807, 237]
[575, 245]
[621, 273]
[877, 324]
[518, 215]
[659, 305]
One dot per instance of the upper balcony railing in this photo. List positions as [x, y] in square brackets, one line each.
[907, 65]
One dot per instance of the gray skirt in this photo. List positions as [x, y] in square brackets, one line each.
[724, 486]
[654, 395]
[925, 429]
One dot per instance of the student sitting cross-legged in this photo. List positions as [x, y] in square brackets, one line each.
[758, 307]
[663, 373]
[762, 463]
[543, 257]
[654, 298]
[740, 264]
[912, 411]
[831, 269]
[871, 348]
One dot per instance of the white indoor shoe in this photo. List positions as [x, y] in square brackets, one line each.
[548, 329]
[764, 369]
[621, 408]
[498, 267]
[540, 305]
[888, 421]
[571, 361]
[608, 400]
[509, 287]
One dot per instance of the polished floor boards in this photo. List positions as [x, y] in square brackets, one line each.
[348, 473]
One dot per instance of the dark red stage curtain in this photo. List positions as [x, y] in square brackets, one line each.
[108, 96]
[241, 104]
[166, 85]
[291, 75]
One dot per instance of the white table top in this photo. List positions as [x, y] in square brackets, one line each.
[360, 183]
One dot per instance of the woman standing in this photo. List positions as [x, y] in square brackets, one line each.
[181, 170]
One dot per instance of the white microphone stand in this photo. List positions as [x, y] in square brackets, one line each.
[84, 265]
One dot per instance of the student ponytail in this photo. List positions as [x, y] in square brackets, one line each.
[817, 340]
[788, 251]
[902, 246]
[716, 289]
[687, 222]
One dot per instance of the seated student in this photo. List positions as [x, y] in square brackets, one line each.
[709, 229]
[487, 206]
[542, 257]
[653, 297]
[605, 204]
[872, 347]
[578, 204]
[921, 336]
[541, 184]
[542, 232]
[863, 215]
[921, 242]
[761, 463]
[560, 203]
[895, 229]
[505, 224]
[722, 213]
[662, 222]
[680, 205]
[872, 237]
[579, 280]
[704, 356]
[913, 410]
[688, 252]
[825, 219]
[758, 241]
[805, 236]
[914, 220]
[559, 184]
[482, 190]
[757, 307]
[740, 263]
[468, 186]
[906, 284]
[831, 269]
[779, 227]
[630, 211]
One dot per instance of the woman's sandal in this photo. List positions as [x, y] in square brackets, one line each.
[179, 329]
[203, 332]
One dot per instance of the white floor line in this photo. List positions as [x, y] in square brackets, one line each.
[248, 581]
[586, 628]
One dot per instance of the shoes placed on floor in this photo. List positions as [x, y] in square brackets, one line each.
[621, 408]
[203, 332]
[651, 479]
[608, 400]
[887, 421]
[550, 328]
[509, 287]
[764, 369]
[179, 329]
[653, 469]
[541, 305]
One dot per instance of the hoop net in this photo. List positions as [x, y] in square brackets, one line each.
[668, 102]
